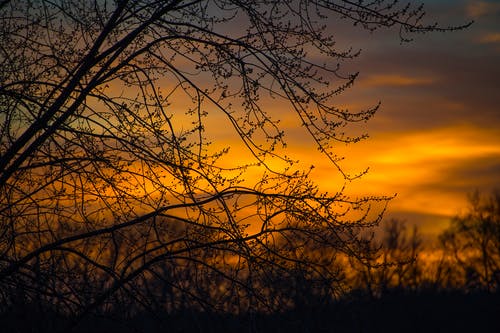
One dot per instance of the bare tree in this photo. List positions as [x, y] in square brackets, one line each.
[109, 184]
[391, 261]
[473, 242]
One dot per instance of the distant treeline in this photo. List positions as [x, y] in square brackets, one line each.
[466, 256]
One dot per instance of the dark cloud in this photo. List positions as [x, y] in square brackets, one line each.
[455, 76]
[478, 173]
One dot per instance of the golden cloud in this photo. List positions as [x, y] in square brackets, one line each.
[490, 38]
[396, 80]
[420, 166]
[478, 9]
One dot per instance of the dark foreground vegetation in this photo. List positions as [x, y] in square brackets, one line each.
[401, 285]
[394, 312]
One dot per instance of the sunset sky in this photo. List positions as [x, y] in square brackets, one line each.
[437, 135]
[223, 161]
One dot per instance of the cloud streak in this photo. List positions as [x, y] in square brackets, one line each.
[490, 38]
[430, 171]
[397, 80]
[478, 9]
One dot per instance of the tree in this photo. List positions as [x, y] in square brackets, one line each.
[473, 242]
[109, 185]
[390, 263]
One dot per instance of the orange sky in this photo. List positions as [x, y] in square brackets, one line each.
[437, 135]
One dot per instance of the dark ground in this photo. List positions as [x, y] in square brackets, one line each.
[450, 312]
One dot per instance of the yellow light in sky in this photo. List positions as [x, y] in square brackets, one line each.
[419, 166]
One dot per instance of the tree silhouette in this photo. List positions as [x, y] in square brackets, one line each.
[111, 193]
[390, 263]
[473, 242]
